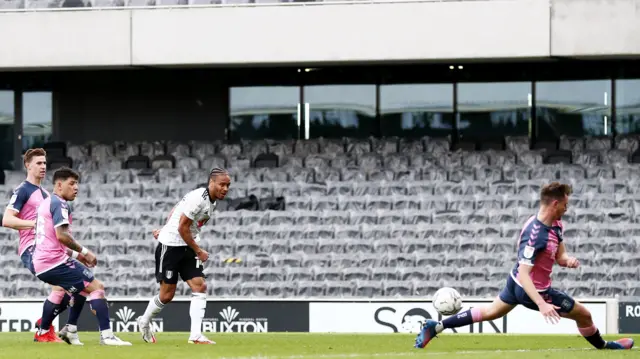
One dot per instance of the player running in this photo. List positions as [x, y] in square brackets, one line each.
[53, 264]
[179, 254]
[540, 246]
[21, 215]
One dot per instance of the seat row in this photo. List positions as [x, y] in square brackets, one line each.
[629, 143]
[333, 289]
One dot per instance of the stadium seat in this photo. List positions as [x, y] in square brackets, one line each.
[635, 157]
[545, 144]
[358, 217]
[495, 144]
[615, 157]
[395, 288]
[163, 161]
[53, 163]
[136, 161]
[11, 5]
[55, 149]
[557, 156]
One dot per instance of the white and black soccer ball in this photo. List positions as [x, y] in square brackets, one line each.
[447, 301]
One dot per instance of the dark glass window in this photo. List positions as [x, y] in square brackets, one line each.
[628, 106]
[494, 109]
[7, 121]
[37, 118]
[416, 110]
[336, 111]
[263, 112]
[573, 108]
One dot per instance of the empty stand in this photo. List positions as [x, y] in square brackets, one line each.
[378, 217]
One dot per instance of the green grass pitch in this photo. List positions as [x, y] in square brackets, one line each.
[310, 346]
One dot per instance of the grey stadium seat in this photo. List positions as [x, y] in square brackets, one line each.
[418, 218]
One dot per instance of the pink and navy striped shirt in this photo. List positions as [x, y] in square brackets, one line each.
[25, 200]
[50, 253]
[537, 247]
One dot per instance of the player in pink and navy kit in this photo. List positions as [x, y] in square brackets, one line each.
[52, 262]
[540, 246]
[21, 215]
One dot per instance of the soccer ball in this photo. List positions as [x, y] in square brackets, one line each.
[447, 301]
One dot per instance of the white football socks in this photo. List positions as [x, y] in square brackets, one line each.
[196, 311]
[155, 306]
[72, 328]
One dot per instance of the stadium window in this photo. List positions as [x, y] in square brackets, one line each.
[416, 110]
[487, 110]
[627, 106]
[336, 111]
[573, 108]
[37, 119]
[263, 112]
[7, 121]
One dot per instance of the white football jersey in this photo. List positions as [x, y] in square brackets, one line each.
[196, 206]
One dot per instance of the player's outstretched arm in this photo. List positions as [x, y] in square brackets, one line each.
[564, 259]
[65, 237]
[184, 228]
[10, 220]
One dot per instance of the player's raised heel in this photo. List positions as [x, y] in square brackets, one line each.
[200, 340]
[427, 333]
[620, 344]
[145, 330]
[69, 337]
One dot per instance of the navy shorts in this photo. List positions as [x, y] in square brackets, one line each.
[27, 259]
[514, 294]
[72, 276]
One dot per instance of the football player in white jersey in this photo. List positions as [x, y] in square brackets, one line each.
[178, 253]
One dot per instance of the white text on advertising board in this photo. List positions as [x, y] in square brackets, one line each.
[126, 322]
[233, 322]
[406, 317]
[21, 317]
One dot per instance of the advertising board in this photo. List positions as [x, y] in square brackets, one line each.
[406, 317]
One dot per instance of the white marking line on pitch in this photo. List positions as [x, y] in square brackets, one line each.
[375, 355]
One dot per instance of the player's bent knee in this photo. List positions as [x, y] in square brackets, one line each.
[96, 294]
[95, 285]
[56, 296]
[584, 313]
[202, 288]
[581, 315]
[98, 284]
[198, 285]
[199, 288]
